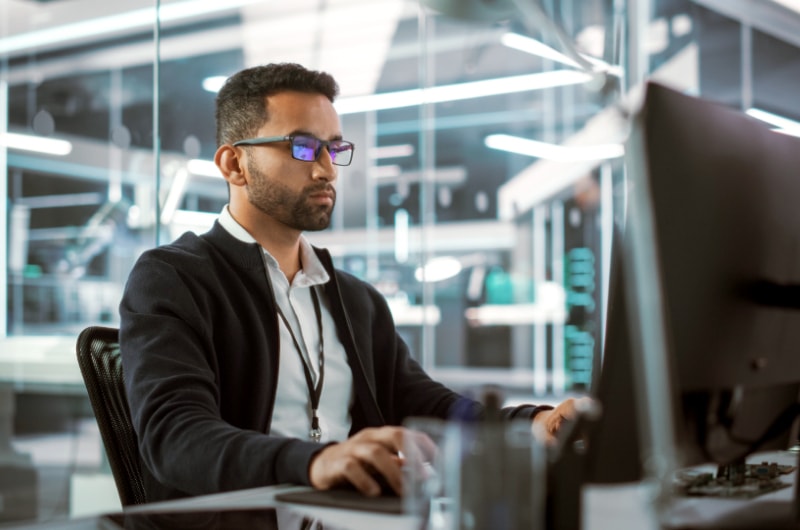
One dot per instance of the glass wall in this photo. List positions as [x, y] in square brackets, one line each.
[487, 182]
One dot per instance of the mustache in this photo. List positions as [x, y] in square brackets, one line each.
[324, 188]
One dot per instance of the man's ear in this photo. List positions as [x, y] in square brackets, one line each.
[230, 164]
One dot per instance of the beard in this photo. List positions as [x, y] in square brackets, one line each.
[287, 206]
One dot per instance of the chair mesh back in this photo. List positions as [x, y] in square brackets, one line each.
[101, 367]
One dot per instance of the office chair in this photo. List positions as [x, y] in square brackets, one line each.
[101, 367]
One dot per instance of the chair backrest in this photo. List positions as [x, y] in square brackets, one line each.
[101, 368]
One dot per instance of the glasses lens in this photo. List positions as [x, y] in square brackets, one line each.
[341, 152]
[306, 148]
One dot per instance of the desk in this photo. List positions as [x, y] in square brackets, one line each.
[622, 507]
[626, 507]
[334, 519]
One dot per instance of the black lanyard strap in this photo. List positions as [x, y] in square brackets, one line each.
[314, 392]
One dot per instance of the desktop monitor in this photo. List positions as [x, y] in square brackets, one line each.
[707, 265]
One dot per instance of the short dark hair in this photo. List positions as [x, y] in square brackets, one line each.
[241, 108]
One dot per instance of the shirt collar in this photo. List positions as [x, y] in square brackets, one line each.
[313, 271]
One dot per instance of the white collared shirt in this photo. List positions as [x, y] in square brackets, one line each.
[292, 413]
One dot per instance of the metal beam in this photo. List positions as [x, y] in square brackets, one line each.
[771, 18]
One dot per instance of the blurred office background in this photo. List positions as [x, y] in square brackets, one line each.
[487, 181]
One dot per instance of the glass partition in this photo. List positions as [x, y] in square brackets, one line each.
[78, 167]
[487, 183]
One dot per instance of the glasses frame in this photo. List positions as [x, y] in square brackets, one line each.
[261, 140]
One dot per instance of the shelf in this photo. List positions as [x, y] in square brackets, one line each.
[405, 314]
[514, 315]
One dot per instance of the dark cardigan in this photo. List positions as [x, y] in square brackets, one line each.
[199, 342]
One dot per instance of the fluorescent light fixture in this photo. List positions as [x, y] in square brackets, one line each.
[406, 314]
[784, 125]
[385, 172]
[438, 269]
[461, 91]
[658, 36]
[514, 314]
[794, 5]
[558, 153]
[401, 219]
[38, 144]
[197, 222]
[193, 8]
[137, 18]
[214, 83]
[174, 196]
[681, 25]
[391, 151]
[535, 47]
[203, 168]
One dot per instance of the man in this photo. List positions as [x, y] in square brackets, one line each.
[249, 360]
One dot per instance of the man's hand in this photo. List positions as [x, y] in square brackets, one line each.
[549, 422]
[359, 460]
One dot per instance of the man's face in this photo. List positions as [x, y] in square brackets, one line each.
[296, 193]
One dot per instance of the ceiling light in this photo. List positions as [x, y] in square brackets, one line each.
[794, 5]
[538, 48]
[658, 36]
[535, 47]
[175, 195]
[203, 168]
[39, 144]
[558, 153]
[197, 222]
[385, 172]
[783, 124]
[214, 83]
[591, 39]
[326, 34]
[401, 221]
[438, 269]
[461, 91]
[681, 25]
[391, 151]
[138, 18]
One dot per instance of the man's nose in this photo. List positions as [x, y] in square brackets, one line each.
[324, 167]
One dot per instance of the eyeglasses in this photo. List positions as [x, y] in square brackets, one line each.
[307, 148]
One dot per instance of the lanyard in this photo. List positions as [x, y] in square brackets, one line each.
[314, 392]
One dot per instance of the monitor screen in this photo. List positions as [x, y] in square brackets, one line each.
[720, 193]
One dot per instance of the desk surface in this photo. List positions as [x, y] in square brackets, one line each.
[620, 507]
